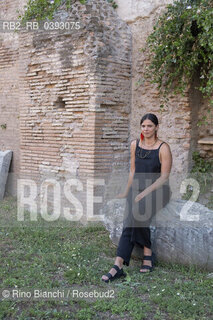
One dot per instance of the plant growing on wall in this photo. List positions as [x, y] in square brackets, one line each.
[4, 126]
[181, 45]
[42, 9]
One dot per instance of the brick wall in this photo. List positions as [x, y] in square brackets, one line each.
[75, 97]
[9, 91]
[205, 130]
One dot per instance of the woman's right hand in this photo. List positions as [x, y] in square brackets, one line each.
[121, 195]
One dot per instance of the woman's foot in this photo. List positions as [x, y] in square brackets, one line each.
[114, 273]
[147, 263]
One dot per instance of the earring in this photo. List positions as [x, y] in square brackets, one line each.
[142, 136]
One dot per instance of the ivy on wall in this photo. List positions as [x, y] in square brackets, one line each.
[42, 9]
[181, 46]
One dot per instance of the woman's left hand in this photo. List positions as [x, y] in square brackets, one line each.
[139, 196]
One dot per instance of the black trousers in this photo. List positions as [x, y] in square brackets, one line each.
[130, 237]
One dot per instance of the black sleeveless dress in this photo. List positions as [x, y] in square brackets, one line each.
[139, 215]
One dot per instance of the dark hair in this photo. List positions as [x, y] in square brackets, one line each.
[150, 116]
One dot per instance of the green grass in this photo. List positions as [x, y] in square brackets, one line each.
[69, 255]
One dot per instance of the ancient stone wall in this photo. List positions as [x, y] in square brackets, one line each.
[205, 131]
[9, 91]
[201, 128]
[75, 96]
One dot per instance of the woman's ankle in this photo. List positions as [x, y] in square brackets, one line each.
[119, 262]
[147, 252]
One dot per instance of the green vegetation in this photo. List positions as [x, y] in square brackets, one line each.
[181, 46]
[4, 126]
[62, 255]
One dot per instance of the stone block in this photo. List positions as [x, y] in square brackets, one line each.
[174, 239]
[5, 159]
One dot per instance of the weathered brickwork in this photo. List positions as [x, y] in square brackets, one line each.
[9, 92]
[205, 131]
[74, 97]
[74, 109]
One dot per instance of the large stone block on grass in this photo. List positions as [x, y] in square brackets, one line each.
[5, 159]
[182, 232]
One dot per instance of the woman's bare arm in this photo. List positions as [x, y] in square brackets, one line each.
[132, 170]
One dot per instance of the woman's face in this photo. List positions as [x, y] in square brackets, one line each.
[148, 128]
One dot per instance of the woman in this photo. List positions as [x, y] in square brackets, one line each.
[147, 191]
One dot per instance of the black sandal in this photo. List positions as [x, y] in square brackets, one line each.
[152, 258]
[120, 273]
